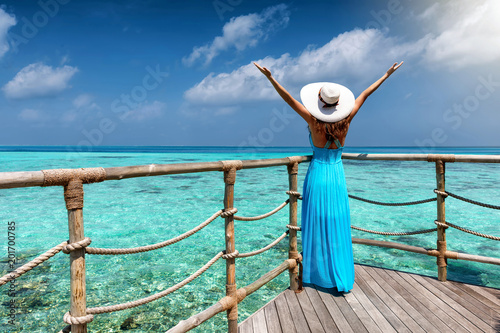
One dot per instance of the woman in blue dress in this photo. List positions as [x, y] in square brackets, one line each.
[328, 109]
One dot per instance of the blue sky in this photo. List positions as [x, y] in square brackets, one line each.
[94, 73]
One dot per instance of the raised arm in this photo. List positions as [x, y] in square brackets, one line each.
[294, 104]
[364, 95]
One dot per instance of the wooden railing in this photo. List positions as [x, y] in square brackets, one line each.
[72, 180]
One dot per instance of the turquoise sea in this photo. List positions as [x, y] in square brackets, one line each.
[141, 211]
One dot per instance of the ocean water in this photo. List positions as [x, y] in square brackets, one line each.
[141, 211]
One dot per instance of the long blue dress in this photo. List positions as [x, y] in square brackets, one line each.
[326, 223]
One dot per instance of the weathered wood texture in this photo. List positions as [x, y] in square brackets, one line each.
[36, 178]
[292, 236]
[382, 300]
[232, 313]
[441, 217]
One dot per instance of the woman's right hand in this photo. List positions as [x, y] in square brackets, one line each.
[393, 68]
[263, 70]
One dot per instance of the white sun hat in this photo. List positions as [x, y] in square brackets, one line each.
[328, 102]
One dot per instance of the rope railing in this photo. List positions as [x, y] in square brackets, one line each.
[409, 203]
[133, 304]
[265, 248]
[448, 193]
[404, 233]
[72, 181]
[104, 251]
[32, 264]
[417, 232]
[472, 232]
[260, 217]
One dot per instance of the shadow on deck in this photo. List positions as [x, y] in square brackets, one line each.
[382, 300]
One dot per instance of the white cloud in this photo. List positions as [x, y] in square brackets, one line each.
[82, 100]
[6, 22]
[145, 111]
[224, 111]
[429, 12]
[39, 80]
[354, 56]
[68, 117]
[467, 33]
[83, 110]
[242, 32]
[32, 115]
[464, 33]
[65, 59]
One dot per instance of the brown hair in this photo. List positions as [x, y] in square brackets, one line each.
[337, 130]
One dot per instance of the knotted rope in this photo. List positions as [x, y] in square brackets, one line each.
[133, 304]
[295, 159]
[228, 212]
[448, 224]
[60, 177]
[32, 264]
[442, 193]
[72, 180]
[293, 227]
[103, 251]
[295, 194]
[254, 218]
[77, 245]
[231, 255]
[69, 319]
[445, 194]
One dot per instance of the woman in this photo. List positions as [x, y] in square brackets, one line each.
[328, 109]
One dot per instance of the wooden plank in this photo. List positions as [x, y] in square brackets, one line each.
[424, 292]
[464, 299]
[381, 301]
[295, 309]
[440, 291]
[378, 319]
[391, 303]
[487, 293]
[478, 296]
[397, 324]
[349, 314]
[284, 314]
[272, 320]
[259, 322]
[309, 312]
[334, 310]
[324, 316]
[365, 318]
[246, 326]
[436, 316]
[417, 316]
[429, 308]
[36, 178]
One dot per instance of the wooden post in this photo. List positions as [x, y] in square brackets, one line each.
[73, 195]
[230, 168]
[441, 231]
[292, 240]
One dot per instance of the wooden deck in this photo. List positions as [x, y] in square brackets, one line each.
[381, 301]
